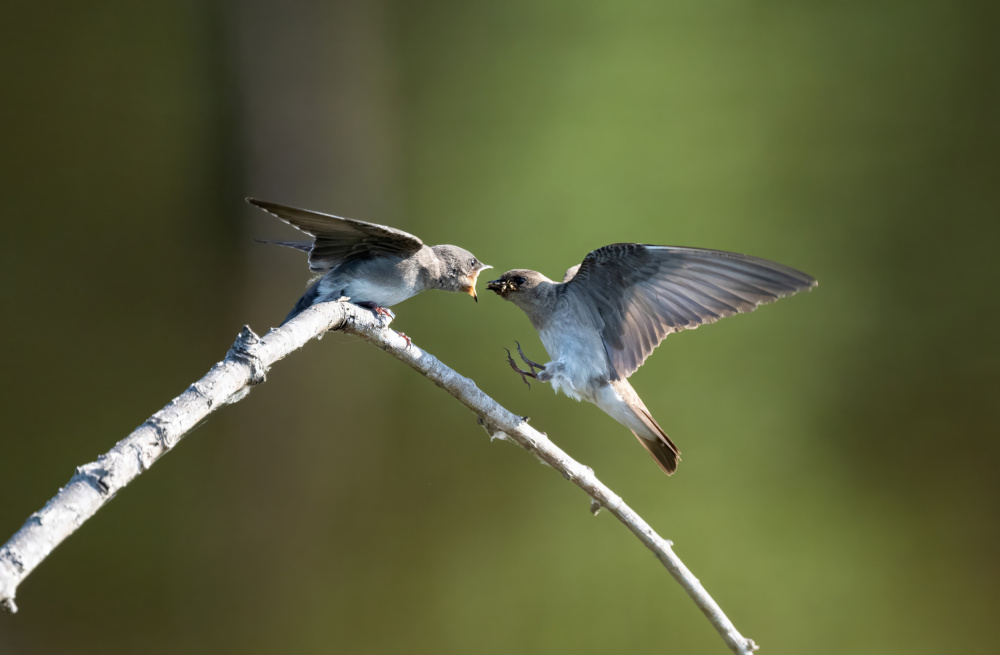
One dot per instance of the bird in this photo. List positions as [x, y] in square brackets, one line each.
[610, 311]
[374, 266]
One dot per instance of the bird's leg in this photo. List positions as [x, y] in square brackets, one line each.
[377, 309]
[533, 365]
[524, 374]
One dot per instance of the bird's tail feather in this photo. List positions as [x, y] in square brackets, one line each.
[663, 451]
[655, 440]
[306, 301]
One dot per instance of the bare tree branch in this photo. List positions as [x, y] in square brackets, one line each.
[230, 380]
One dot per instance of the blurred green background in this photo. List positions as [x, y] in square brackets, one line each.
[838, 491]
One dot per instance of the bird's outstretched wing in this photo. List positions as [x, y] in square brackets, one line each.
[641, 293]
[337, 239]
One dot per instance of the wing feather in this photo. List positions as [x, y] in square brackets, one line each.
[641, 293]
[337, 239]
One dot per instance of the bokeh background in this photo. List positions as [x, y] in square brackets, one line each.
[838, 491]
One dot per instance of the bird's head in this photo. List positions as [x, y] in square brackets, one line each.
[519, 285]
[461, 269]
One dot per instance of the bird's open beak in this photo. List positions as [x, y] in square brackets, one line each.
[471, 290]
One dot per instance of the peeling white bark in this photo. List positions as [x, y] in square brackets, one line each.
[231, 379]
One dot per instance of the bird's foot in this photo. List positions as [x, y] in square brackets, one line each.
[533, 365]
[406, 339]
[378, 310]
[524, 374]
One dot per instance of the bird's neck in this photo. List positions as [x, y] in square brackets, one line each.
[540, 305]
[432, 270]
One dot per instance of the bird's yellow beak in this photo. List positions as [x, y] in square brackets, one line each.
[471, 289]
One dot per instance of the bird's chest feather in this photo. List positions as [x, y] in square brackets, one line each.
[382, 282]
[379, 292]
[579, 363]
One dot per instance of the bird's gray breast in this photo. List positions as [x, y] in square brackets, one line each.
[386, 280]
[573, 340]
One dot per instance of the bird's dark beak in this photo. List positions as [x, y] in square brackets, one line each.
[499, 286]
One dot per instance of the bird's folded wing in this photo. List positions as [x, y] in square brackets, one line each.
[338, 239]
[641, 293]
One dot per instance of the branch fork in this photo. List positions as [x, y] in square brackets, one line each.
[246, 365]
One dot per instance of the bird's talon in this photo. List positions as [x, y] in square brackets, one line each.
[524, 374]
[405, 338]
[379, 311]
[531, 364]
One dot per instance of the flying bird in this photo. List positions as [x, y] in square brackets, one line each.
[371, 265]
[608, 314]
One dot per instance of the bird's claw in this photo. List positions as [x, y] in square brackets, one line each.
[527, 361]
[406, 339]
[524, 374]
[378, 310]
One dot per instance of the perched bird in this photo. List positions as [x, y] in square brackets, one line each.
[609, 313]
[371, 265]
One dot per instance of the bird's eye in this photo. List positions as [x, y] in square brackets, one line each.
[517, 281]
[473, 262]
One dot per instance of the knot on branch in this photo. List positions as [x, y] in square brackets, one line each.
[13, 558]
[493, 430]
[245, 350]
[156, 424]
[94, 474]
